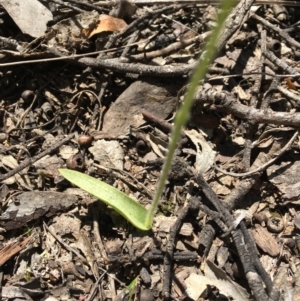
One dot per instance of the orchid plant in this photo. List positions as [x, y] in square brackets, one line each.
[129, 208]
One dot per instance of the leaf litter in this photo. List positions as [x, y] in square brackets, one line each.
[59, 243]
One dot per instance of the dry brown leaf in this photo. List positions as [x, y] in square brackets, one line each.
[108, 23]
[290, 84]
[286, 178]
[241, 93]
[220, 189]
[266, 241]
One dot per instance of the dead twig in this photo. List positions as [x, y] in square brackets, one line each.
[65, 3]
[141, 69]
[264, 166]
[279, 62]
[213, 2]
[13, 248]
[134, 25]
[102, 250]
[233, 22]
[67, 247]
[225, 102]
[278, 31]
[30, 161]
[246, 257]
[168, 258]
[170, 48]
[251, 126]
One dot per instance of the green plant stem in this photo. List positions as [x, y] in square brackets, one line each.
[183, 112]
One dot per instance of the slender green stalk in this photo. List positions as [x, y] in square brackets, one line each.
[126, 206]
[183, 113]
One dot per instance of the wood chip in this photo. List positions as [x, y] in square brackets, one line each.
[266, 241]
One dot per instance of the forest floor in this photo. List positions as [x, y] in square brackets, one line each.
[94, 86]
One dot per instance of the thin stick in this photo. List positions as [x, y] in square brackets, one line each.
[30, 161]
[70, 57]
[264, 166]
[58, 238]
[211, 2]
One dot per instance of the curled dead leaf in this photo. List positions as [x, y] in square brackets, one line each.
[107, 23]
[290, 84]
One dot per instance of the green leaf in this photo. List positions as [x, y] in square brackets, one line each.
[122, 203]
[127, 207]
[183, 112]
[131, 287]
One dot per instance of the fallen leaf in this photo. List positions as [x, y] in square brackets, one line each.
[108, 23]
[286, 178]
[196, 284]
[205, 156]
[241, 93]
[290, 84]
[72, 33]
[266, 241]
